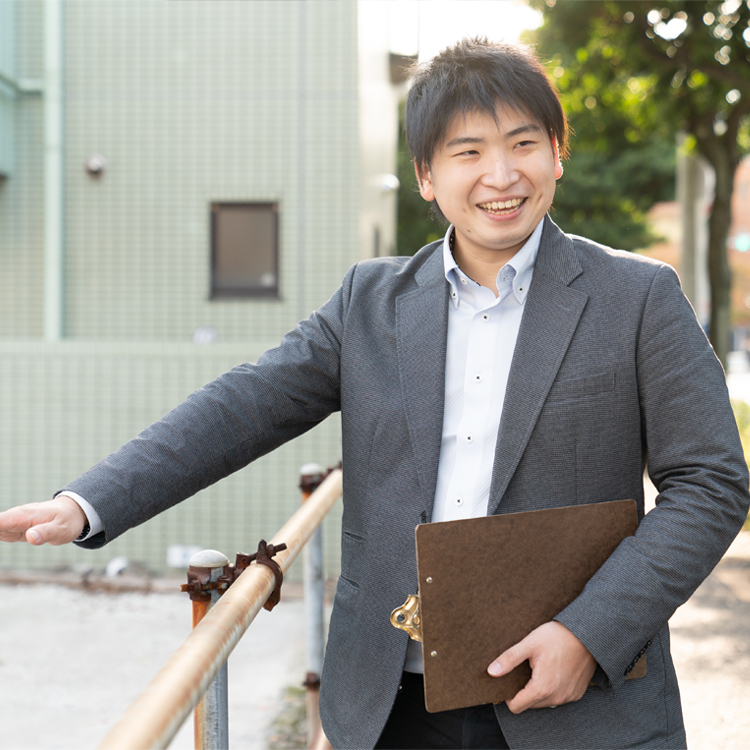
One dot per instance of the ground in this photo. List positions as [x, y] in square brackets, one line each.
[72, 661]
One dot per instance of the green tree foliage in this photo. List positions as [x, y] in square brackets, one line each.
[681, 65]
[622, 159]
[415, 225]
[621, 163]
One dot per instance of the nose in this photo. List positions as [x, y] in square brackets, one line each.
[501, 173]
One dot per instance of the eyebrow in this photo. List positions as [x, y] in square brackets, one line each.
[463, 140]
[530, 127]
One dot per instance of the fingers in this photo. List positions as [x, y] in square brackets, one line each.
[12, 525]
[55, 522]
[538, 693]
[534, 693]
[510, 659]
[561, 667]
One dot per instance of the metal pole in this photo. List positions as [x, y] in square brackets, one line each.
[311, 476]
[156, 715]
[54, 269]
[211, 715]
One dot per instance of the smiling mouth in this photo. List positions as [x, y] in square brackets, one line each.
[499, 208]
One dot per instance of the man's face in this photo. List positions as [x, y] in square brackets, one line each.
[493, 182]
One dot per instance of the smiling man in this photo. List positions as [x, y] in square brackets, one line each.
[494, 177]
[508, 367]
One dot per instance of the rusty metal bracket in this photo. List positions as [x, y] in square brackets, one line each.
[263, 557]
[308, 483]
[200, 585]
[312, 681]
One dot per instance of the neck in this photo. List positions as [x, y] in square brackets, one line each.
[481, 266]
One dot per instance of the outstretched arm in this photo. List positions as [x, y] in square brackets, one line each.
[55, 522]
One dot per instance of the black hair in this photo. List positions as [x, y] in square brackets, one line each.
[476, 75]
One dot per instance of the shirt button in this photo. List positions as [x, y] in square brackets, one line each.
[469, 438]
[478, 377]
[463, 280]
[459, 501]
[453, 294]
[485, 316]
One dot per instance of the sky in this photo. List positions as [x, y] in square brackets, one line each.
[430, 25]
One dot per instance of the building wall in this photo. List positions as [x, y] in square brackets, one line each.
[191, 103]
[7, 86]
[188, 103]
[72, 403]
[378, 129]
[21, 204]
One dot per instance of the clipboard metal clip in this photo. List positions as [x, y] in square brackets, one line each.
[407, 617]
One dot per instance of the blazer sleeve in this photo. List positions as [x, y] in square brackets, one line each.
[695, 460]
[220, 428]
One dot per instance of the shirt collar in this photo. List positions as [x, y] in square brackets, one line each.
[517, 271]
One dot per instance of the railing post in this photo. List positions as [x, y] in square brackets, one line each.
[311, 477]
[211, 716]
[156, 715]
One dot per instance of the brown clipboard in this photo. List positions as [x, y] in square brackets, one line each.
[486, 583]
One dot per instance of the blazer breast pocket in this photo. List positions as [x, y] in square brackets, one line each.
[576, 389]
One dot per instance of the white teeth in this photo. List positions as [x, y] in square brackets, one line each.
[501, 205]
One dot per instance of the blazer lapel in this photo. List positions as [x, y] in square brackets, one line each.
[421, 337]
[551, 316]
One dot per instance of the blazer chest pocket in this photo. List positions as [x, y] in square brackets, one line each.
[581, 388]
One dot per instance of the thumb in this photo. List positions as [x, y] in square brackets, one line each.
[57, 521]
[44, 533]
[510, 659]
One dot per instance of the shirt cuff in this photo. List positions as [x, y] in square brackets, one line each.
[95, 522]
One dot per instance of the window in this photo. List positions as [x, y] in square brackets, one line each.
[244, 250]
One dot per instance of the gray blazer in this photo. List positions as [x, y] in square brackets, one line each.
[610, 370]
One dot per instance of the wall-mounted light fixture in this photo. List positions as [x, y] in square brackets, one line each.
[205, 335]
[388, 183]
[95, 165]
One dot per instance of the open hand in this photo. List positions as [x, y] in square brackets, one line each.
[57, 521]
[561, 667]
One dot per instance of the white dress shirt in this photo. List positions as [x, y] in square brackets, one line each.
[482, 333]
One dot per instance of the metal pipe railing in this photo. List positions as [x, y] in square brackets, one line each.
[311, 477]
[155, 717]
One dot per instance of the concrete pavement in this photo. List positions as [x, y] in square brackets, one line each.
[711, 648]
[71, 661]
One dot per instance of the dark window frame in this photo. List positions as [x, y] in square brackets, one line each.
[224, 292]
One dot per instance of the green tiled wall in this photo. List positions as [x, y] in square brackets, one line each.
[71, 404]
[189, 103]
[21, 204]
[7, 92]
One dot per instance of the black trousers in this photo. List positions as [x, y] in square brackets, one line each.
[410, 727]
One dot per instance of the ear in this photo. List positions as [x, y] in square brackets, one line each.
[424, 180]
[558, 163]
